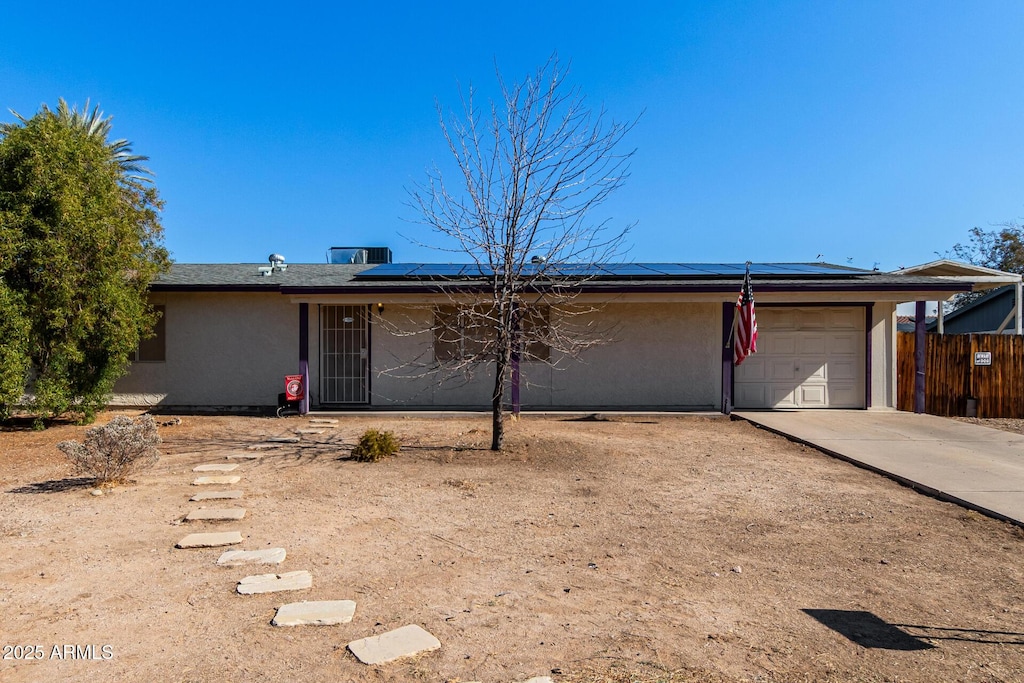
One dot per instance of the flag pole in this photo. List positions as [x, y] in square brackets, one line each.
[732, 328]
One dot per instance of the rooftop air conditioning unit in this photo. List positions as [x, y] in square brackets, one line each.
[347, 255]
[372, 255]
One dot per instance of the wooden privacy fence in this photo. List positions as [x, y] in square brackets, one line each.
[952, 376]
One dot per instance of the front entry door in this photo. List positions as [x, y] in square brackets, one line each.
[344, 354]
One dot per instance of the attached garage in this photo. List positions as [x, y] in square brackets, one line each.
[807, 357]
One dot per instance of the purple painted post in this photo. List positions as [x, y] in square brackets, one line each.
[515, 383]
[516, 341]
[919, 347]
[304, 355]
[728, 309]
[868, 320]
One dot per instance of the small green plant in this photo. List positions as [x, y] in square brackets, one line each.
[374, 445]
[114, 451]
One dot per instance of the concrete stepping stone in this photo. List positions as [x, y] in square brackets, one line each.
[228, 479]
[262, 446]
[322, 421]
[316, 613]
[215, 495]
[273, 583]
[309, 431]
[210, 540]
[387, 647]
[215, 514]
[215, 467]
[235, 558]
[282, 439]
[243, 456]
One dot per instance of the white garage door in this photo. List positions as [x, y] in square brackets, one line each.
[806, 358]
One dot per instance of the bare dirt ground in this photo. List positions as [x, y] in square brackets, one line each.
[635, 549]
[1007, 424]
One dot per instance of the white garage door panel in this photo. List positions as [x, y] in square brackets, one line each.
[812, 396]
[813, 370]
[755, 367]
[807, 358]
[844, 395]
[850, 318]
[811, 344]
[752, 395]
[781, 344]
[810, 319]
[782, 397]
[783, 319]
[843, 370]
[781, 369]
[842, 344]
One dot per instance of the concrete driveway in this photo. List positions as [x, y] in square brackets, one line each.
[977, 467]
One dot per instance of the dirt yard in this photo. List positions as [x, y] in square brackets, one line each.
[632, 549]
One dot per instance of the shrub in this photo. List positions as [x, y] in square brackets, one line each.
[112, 452]
[374, 445]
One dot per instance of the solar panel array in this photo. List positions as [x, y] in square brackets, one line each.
[415, 271]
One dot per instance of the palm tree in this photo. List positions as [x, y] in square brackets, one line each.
[92, 123]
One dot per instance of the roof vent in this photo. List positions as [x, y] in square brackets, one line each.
[277, 265]
[538, 259]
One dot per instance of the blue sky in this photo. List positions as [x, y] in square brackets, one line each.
[868, 132]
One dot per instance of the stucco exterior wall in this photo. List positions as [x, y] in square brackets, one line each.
[663, 355]
[233, 349]
[223, 349]
[883, 356]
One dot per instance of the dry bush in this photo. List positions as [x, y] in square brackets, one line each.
[114, 451]
[374, 445]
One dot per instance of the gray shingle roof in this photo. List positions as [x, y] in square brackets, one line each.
[246, 276]
[338, 278]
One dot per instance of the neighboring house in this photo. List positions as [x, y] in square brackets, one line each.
[908, 323]
[994, 312]
[981, 279]
[230, 333]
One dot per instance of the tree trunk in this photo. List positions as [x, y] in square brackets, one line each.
[497, 398]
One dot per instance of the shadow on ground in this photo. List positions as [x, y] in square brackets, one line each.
[869, 630]
[967, 635]
[56, 485]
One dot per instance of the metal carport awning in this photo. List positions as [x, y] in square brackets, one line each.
[981, 279]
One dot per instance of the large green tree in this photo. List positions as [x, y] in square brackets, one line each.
[80, 241]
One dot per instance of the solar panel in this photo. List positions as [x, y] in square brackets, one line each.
[453, 270]
[727, 268]
[439, 270]
[421, 270]
[824, 269]
[398, 271]
[629, 269]
[388, 270]
[576, 270]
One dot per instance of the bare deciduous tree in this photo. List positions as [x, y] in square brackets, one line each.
[531, 169]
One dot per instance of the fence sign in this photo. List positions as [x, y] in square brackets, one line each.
[983, 358]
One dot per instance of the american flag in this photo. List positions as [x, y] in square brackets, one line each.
[745, 342]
